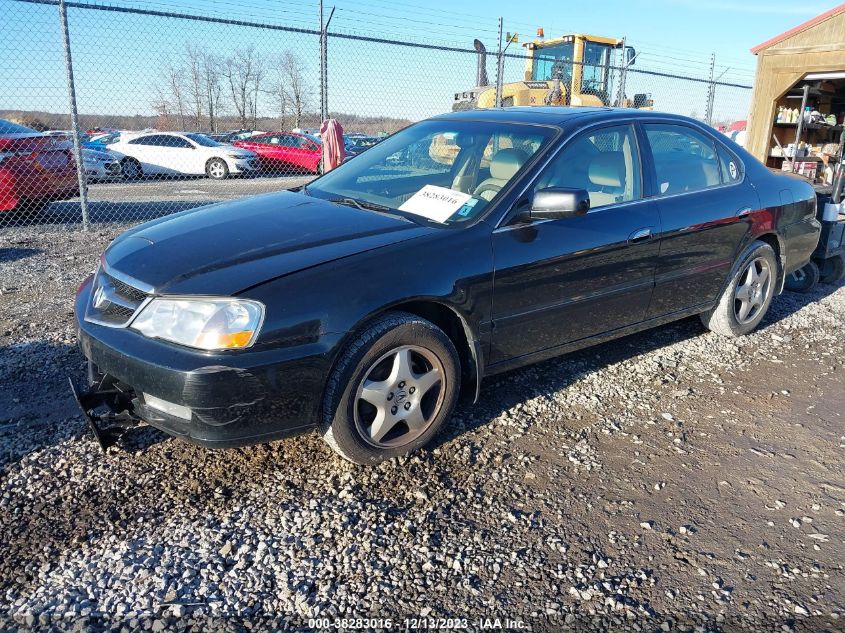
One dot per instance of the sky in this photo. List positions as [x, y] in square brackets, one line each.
[120, 60]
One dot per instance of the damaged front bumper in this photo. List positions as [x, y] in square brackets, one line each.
[107, 408]
[213, 399]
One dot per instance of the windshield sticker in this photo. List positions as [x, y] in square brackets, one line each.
[465, 210]
[435, 203]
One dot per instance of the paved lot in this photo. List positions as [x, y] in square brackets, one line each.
[120, 202]
[179, 190]
[673, 480]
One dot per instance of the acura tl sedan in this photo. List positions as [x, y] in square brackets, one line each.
[365, 303]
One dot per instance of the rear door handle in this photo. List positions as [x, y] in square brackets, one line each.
[640, 235]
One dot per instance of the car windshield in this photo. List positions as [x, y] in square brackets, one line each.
[441, 172]
[202, 139]
[7, 127]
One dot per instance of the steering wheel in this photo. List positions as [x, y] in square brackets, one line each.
[490, 186]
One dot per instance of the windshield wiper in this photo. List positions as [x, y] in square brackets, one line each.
[361, 204]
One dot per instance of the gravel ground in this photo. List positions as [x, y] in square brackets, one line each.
[672, 480]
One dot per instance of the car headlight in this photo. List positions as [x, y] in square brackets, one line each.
[240, 156]
[208, 324]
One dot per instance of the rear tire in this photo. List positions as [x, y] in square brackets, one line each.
[803, 279]
[832, 270]
[217, 169]
[392, 389]
[746, 299]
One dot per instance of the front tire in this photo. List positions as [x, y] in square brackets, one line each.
[804, 279]
[392, 389]
[217, 169]
[746, 299]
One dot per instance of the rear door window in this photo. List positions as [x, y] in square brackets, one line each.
[175, 141]
[684, 159]
[154, 139]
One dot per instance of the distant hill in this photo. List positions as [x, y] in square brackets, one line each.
[41, 121]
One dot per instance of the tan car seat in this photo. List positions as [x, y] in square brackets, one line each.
[503, 166]
[607, 178]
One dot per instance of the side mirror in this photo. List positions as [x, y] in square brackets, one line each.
[553, 203]
[630, 55]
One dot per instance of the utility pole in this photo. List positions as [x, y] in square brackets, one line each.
[711, 90]
[500, 61]
[74, 119]
[620, 99]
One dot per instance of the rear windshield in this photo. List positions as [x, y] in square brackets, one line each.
[7, 127]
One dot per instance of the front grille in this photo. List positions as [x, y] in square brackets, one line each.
[113, 302]
[126, 291]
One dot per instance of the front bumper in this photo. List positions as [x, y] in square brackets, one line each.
[234, 398]
[100, 170]
[243, 166]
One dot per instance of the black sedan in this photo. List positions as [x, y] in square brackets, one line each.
[472, 243]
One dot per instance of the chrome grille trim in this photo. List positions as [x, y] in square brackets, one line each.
[120, 301]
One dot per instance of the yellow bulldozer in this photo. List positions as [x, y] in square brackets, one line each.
[572, 70]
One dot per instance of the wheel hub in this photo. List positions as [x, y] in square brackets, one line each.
[399, 397]
[752, 290]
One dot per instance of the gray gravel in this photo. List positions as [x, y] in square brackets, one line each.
[672, 480]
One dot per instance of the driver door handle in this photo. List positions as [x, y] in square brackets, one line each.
[640, 235]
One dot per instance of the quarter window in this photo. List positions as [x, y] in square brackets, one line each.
[605, 163]
[729, 165]
[684, 159]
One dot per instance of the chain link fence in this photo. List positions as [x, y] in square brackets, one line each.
[165, 111]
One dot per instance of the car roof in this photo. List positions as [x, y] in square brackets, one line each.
[558, 115]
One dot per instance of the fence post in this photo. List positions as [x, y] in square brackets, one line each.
[74, 118]
[500, 60]
[323, 116]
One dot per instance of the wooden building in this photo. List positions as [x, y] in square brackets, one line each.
[812, 53]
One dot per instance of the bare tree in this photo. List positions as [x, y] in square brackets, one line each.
[196, 84]
[161, 106]
[280, 97]
[174, 84]
[244, 73]
[295, 88]
[213, 88]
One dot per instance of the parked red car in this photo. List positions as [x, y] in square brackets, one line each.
[34, 169]
[283, 152]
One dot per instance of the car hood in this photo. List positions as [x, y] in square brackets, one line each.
[226, 248]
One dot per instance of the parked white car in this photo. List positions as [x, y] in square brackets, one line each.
[181, 153]
[100, 165]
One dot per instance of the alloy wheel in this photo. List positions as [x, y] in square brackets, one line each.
[399, 397]
[752, 291]
[216, 169]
